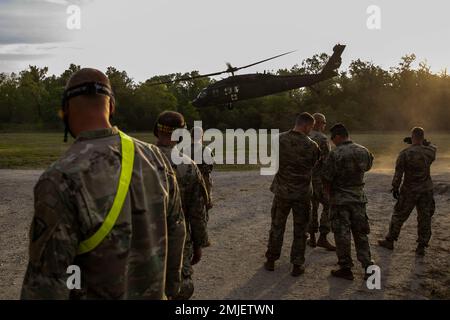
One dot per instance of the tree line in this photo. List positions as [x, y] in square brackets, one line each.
[365, 97]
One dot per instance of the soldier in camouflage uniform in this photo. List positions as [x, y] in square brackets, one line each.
[343, 177]
[193, 197]
[319, 196]
[206, 166]
[292, 190]
[140, 258]
[416, 191]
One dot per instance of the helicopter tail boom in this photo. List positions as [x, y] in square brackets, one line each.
[330, 69]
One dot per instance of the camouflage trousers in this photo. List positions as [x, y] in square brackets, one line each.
[187, 284]
[301, 211]
[319, 198]
[207, 178]
[208, 182]
[347, 220]
[424, 202]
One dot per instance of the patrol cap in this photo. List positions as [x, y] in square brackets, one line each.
[418, 132]
[319, 117]
[339, 130]
[168, 121]
[304, 118]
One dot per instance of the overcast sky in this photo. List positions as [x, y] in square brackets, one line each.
[149, 37]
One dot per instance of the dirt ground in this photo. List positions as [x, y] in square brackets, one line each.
[239, 224]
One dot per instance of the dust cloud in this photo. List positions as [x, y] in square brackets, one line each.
[386, 147]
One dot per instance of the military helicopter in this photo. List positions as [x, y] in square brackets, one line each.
[248, 86]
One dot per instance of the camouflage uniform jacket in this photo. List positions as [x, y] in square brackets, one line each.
[298, 155]
[344, 173]
[193, 196]
[200, 151]
[204, 167]
[413, 163]
[140, 258]
[324, 146]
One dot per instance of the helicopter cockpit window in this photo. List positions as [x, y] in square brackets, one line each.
[202, 94]
[228, 91]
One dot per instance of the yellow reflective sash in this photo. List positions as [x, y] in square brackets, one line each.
[122, 190]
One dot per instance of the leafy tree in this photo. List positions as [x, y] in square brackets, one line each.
[365, 97]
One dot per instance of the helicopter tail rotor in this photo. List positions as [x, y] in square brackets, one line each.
[330, 69]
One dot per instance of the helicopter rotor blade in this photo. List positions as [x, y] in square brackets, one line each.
[189, 78]
[230, 69]
[271, 58]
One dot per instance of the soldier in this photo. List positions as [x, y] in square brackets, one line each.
[292, 190]
[193, 197]
[343, 177]
[206, 167]
[110, 205]
[416, 191]
[319, 196]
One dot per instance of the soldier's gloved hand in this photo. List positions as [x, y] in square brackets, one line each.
[395, 193]
[197, 256]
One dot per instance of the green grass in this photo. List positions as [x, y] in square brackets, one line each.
[31, 150]
[37, 150]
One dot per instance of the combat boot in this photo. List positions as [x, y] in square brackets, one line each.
[344, 273]
[312, 240]
[186, 289]
[386, 243]
[207, 244]
[269, 265]
[324, 243]
[420, 250]
[297, 270]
